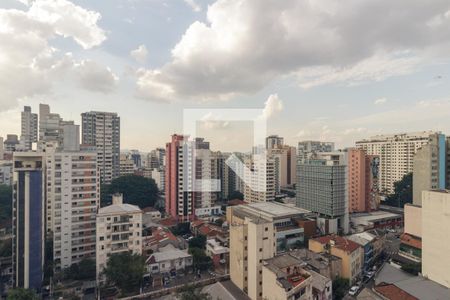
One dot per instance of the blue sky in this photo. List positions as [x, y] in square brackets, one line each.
[337, 72]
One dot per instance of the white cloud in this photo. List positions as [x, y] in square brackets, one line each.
[140, 54]
[95, 77]
[380, 101]
[246, 44]
[272, 106]
[29, 65]
[194, 5]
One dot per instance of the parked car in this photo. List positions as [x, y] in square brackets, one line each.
[353, 290]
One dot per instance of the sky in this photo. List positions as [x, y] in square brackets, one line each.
[324, 70]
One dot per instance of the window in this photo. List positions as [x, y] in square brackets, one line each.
[266, 229]
[260, 249]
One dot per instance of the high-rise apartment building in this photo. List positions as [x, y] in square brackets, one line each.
[306, 149]
[259, 179]
[191, 180]
[28, 219]
[52, 128]
[11, 143]
[285, 159]
[274, 141]
[29, 127]
[396, 153]
[430, 167]
[126, 165]
[322, 189]
[435, 230]
[102, 130]
[2, 149]
[6, 172]
[257, 232]
[73, 197]
[363, 173]
[119, 230]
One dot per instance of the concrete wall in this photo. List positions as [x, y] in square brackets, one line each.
[413, 220]
[435, 233]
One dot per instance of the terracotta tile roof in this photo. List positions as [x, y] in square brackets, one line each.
[197, 223]
[339, 242]
[411, 241]
[236, 202]
[168, 222]
[393, 292]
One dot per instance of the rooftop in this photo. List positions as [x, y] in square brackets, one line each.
[362, 238]
[288, 270]
[392, 292]
[416, 286]
[272, 210]
[119, 209]
[167, 253]
[365, 218]
[339, 242]
[411, 241]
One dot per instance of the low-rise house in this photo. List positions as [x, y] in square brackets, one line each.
[376, 220]
[367, 241]
[218, 253]
[322, 287]
[410, 250]
[152, 212]
[284, 278]
[325, 264]
[119, 229]
[350, 252]
[168, 259]
[159, 237]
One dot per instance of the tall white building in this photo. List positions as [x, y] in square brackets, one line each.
[260, 180]
[102, 130]
[396, 154]
[73, 197]
[29, 127]
[119, 229]
[6, 172]
[126, 165]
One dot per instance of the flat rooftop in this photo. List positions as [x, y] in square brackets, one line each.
[416, 286]
[361, 218]
[276, 210]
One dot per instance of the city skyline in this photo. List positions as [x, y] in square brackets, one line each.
[385, 81]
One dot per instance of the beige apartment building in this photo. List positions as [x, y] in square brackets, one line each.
[260, 185]
[351, 254]
[435, 233]
[257, 232]
[119, 229]
[396, 154]
[284, 279]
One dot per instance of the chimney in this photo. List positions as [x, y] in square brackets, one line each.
[117, 199]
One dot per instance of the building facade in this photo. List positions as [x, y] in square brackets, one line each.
[29, 219]
[29, 127]
[435, 229]
[257, 232]
[430, 167]
[259, 179]
[119, 229]
[396, 153]
[102, 130]
[73, 197]
[322, 189]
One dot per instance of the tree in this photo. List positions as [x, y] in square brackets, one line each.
[5, 203]
[413, 269]
[181, 228]
[136, 190]
[236, 195]
[340, 288]
[198, 242]
[189, 292]
[22, 294]
[125, 270]
[84, 270]
[5, 248]
[200, 260]
[402, 192]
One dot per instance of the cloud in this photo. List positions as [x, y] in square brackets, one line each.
[29, 65]
[210, 121]
[194, 5]
[380, 101]
[95, 77]
[140, 54]
[272, 106]
[244, 45]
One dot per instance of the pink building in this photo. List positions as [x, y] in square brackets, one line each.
[356, 180]
[362, 181]
[179, 204]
